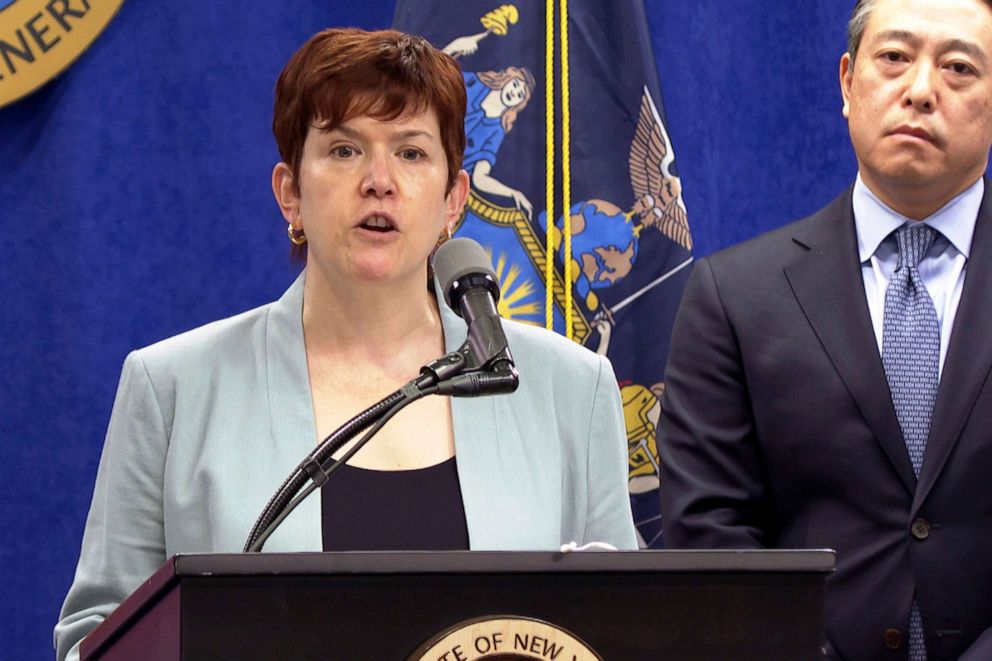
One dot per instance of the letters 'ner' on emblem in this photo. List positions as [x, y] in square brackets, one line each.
[40, 38]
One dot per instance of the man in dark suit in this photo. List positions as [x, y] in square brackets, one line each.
[829, 384]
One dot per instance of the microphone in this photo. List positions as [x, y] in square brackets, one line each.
[471, 289]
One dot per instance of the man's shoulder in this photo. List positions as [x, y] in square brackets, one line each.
[773, 249]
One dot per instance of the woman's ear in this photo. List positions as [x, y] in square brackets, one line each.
[456, 199]
[287, 195]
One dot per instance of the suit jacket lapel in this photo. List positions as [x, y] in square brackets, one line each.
[969, 354]
[293, 432]
[473, 420]
[511, 500]
[827, 282]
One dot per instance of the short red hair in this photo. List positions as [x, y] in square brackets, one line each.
[341, 73]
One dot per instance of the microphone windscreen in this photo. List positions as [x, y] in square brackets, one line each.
[457, 258]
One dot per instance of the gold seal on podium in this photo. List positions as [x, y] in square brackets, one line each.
[505, 638]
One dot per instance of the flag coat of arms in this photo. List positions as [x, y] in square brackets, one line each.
[574, 118]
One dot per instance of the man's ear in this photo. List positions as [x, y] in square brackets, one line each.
[287, 195]
[846, 76]
[455, 201]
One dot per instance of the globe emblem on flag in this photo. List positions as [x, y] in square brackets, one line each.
[606, 241]
[604, 246]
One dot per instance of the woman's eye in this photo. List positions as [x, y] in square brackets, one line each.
[411, 154]
[343, 151]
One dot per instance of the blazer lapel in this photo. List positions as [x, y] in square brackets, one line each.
[969, 354]
[292, 428]
[827, 282]
[473, 421]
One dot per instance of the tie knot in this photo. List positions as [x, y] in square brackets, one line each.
[914, 241]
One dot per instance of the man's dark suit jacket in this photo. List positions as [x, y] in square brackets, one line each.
[779, 431]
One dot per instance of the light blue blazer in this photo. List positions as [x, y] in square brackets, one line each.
[206, 426]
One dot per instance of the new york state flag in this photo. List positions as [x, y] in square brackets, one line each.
[618, 275]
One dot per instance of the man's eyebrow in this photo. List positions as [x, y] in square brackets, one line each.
[897, 35]
[966, 47]
[950, 45]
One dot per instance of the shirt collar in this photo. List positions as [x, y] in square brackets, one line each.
[874, 220]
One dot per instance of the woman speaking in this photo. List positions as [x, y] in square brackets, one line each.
[205, 426]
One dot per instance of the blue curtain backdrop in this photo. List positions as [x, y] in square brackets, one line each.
[135, 204]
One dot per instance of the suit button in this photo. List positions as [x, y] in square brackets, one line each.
[892, 639]
[920, 529]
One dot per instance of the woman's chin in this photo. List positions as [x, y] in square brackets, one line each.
[370, 268]
[384, 273]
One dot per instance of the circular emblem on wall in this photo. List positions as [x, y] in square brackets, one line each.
[40, 38]
[505, 638]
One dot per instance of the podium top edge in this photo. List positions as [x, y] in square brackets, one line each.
[816, 561]
[801, 564]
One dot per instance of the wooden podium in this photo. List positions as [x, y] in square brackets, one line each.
[464, 606]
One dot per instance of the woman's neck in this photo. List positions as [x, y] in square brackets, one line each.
[370, 320]
[492, 104]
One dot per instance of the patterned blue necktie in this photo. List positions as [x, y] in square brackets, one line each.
[911, 357]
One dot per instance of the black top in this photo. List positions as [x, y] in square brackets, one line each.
[406, 510]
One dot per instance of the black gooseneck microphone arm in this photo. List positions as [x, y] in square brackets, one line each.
[315, 469]
[317, 466]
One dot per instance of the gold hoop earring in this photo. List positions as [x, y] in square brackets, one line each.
[296, 236]
[443, 238]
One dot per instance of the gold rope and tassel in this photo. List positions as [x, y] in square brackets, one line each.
[549, 163]
[498, 22]
[566, 166]
[566, 170]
